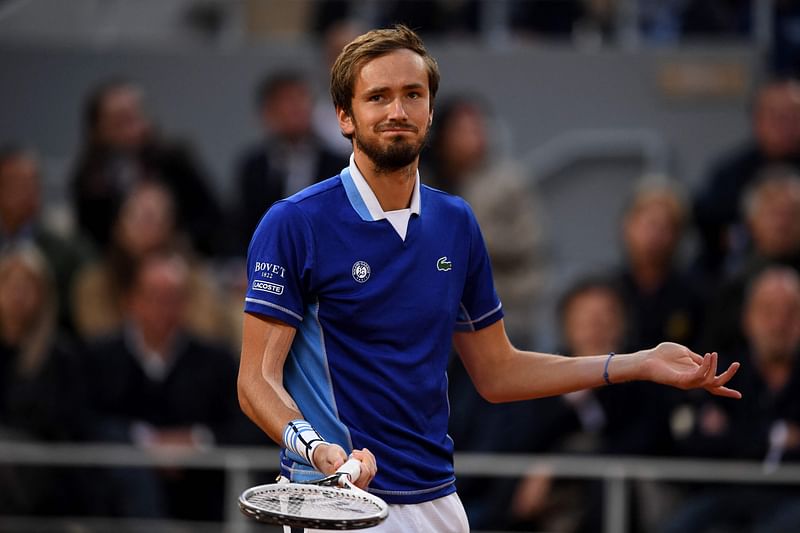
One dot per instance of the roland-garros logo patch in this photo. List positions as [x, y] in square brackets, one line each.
[267, 286]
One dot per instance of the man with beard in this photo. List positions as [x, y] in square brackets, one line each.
[359, 284]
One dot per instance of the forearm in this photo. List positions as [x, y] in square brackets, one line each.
[268, 405]
[262, 395]
[502, 373]
[522, 375]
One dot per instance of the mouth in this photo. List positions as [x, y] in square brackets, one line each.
[396, 129]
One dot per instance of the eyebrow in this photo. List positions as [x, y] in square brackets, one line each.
[381, 89]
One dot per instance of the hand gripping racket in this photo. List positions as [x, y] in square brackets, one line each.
[332, 502]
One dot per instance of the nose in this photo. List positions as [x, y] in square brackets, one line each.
[397, 111]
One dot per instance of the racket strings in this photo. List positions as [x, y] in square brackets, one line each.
[313, 501]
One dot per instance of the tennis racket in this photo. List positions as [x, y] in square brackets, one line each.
[332, 502]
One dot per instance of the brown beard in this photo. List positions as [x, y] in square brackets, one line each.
[399, 154]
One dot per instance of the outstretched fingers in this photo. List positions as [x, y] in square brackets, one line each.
[717, 385]
[725, 391]
[711, 373]
[703, 373]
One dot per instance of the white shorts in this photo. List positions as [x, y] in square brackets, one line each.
[443, 515]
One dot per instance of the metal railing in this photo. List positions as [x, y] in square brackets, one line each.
[239, 464]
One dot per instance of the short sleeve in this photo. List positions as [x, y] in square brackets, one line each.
[280, 264]
[480, 307]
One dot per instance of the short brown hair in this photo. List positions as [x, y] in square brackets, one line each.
[368, 46]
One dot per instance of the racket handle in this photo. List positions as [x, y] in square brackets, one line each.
[352, 468]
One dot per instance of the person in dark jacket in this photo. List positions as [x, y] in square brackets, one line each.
[665, 301]
[764, 426]
[41, 392]
[122, 148]
[153, 384]
[775, 140]
[288, 158]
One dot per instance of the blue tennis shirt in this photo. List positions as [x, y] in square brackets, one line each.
[375, 314]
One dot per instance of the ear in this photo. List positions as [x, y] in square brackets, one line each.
[345, 121]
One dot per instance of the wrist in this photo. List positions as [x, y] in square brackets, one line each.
[606, 376]
[300, 437]
[624, 367]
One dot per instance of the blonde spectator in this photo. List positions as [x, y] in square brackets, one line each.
[40, 383]
[146, 223]
[21, 224]
[664, 299]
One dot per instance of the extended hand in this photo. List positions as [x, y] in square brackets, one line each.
[678, 366]
[329, 457]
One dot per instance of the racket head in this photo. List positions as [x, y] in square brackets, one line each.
[309, 505]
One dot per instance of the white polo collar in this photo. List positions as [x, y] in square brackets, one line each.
[371, 201]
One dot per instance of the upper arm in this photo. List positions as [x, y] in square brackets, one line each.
[483, 353]
[265, 345]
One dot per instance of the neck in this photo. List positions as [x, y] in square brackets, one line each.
[157, 342]
[393, 188]
[776, 373]
[9, 226]
[648, 275]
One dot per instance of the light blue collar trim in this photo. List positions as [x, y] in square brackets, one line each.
[354, 196]
[363, 199]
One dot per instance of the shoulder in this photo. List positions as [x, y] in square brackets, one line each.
[443, 200]
[212, 353]
[303, 207]
[738, 161]
[254, 154]
[108, 351]
[316, 194]
[447, 205]
[316, 201]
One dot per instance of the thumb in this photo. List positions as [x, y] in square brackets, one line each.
[329, 457]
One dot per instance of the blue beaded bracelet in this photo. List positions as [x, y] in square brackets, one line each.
[605, 370]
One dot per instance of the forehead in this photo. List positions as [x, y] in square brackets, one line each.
[776, 288]
[18, 164]
[779, 192]
[398, 68]
[780, 96]
[590, 297]
[120, 98]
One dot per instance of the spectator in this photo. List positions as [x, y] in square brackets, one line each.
[664, 301]
[460, 162]
[764, 425]
[772, 212]
[154, 384]
[121, 149]
[145, 224]
[289, 158]
[326, 123]
[776, 140]
[21, 223]
[593, 319]
[40, 383]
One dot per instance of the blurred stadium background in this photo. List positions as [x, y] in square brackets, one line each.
[588, 98]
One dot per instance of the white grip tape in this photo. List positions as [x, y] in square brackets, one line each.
[352, 468]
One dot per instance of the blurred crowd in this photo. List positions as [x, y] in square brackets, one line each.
[125, 327]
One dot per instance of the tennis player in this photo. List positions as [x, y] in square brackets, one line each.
[360, 284]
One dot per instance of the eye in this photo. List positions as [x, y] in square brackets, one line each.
[375, 98]
[414, 95]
